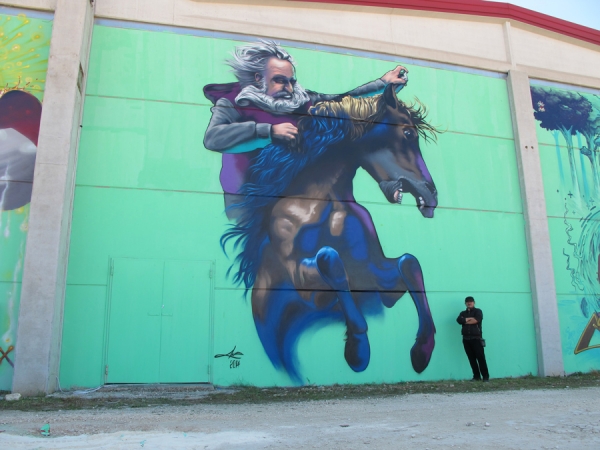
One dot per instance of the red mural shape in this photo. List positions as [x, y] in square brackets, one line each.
[20, 114]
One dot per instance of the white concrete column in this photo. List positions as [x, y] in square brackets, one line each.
[37, 351]
[541, 272]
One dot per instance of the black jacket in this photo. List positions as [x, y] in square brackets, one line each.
[470, 331]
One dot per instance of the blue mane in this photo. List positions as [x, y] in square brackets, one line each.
[269, 175]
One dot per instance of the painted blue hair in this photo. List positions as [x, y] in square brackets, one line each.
[270, 174]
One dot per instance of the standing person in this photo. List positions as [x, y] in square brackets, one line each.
[471, 319]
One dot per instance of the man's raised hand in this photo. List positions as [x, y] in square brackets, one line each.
[284, 132]
[396, 76]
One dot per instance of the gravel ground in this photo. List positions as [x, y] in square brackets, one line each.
[540, 419]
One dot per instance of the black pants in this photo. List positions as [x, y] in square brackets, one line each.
[476, 356]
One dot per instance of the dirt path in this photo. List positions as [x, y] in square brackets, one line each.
[542, 419]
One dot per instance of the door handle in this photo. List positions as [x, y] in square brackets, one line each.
[162, 312]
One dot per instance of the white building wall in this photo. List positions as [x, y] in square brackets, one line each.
[486, 43]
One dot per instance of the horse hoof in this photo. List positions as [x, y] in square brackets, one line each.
[420, 354]
[358, 351]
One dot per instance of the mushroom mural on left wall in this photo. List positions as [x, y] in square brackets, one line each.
[24, 47]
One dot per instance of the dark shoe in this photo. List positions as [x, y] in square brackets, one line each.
[475, 379]
[486, 380]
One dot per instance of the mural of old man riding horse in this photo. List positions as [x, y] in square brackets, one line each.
[308, 252]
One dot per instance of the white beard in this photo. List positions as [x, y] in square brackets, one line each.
[252, 94]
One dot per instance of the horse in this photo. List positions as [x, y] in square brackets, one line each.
[308, 252]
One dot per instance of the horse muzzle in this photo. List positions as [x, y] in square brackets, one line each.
[424, 193]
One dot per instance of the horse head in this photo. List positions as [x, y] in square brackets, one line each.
[392, 155]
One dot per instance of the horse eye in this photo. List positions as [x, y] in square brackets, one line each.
[409, 133]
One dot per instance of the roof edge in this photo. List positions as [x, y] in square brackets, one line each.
[482, 8]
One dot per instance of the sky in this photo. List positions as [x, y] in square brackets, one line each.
[583, 12]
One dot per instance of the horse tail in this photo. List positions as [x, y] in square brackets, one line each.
[248, 237]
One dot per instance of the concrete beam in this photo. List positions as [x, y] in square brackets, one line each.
[44, 5]
[37, 351]
[541, 272]
[471, 41]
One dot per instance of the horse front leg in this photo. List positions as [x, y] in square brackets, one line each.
[330, 267]
[409, 277]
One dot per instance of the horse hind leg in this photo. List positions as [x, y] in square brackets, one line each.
[411, 276]
[330, 267]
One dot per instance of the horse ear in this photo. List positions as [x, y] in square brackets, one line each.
[389, 95]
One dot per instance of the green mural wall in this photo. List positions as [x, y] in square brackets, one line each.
[569, 139]
[147, 189]
[24, 47]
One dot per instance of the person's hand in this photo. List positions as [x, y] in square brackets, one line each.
[396, 76]
[284, 132]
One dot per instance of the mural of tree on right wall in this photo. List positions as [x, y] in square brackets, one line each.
[572, 185]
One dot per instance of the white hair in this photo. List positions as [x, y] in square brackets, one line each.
[250, 59]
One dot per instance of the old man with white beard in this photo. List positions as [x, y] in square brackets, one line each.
[264, 106]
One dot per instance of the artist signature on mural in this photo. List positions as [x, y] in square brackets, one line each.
[233, 356]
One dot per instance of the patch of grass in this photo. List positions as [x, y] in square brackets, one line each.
[255, 395]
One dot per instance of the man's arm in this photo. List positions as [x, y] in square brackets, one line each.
[396, 76]
[226, 134]
[475, 320]
[366, 90]
[460, 319]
